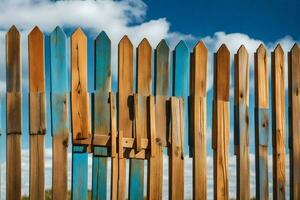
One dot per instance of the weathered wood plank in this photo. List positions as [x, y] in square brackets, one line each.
[37, 167]
[80, 114]
[59, 113]
[101, 113]
[294, 129]
[37, 112]
[278, 129]
[220, 137]
[176, 168]
[241, 122]
[162, 78]
[261, 122]
[81, 127]
[125, 102]
[144, 88]
[198, 117]
[181, 82]
[13, 114]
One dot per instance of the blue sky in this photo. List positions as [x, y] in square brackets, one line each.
[267, 20]
[215, 22]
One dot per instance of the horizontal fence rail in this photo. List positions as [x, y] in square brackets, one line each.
[158, 110]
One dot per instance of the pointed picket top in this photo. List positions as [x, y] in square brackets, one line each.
[278, 50]
[200, 46]
[295, 48]
[35, 31]
[223, 49]
[242, 50]
[144, 44]
[36, 60]
[261, 50]
[102, 36]
[13, 30]
[102, 62]
[125, 41]
[78, 34]
[162, 45]
[222, 74]
[181, 45]
[58, 32]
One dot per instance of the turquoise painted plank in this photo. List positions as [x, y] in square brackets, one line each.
[101, 113]
[136, 180]
[58, 53]
[59, 112]
[181, 80]
[80, 172]
[261, 162]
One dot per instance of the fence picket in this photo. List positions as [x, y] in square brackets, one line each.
[144, 89]
[80, 115]
[59, 113]
[180, 89]
[37, 114]
[294, 130]
[220, 137]
[13, 114]
[261, 122]
[162, 77]
[198, 119]
[278, 129]
[241, 122]
[125, 104]
[101, 113]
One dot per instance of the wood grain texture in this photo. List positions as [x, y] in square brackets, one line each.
[37, 112]
[294, 130]
[278, 129]
[81, 127]
[144, 88]
[198, 119]
[37, 167]
[241, 122]
[162, 78]
[13, 60]
[102, 118]
[176, 168]
[261, 122]
[13, 114]
[13, 166]
[59, 113]
[36, 61]
[198, 70]
[125, 102]
[220, 132]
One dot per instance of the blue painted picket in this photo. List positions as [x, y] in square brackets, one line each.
[101, 113]
[79, 173]
[181, 82]
[59, 113]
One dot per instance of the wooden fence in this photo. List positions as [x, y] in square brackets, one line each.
[139, 123]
